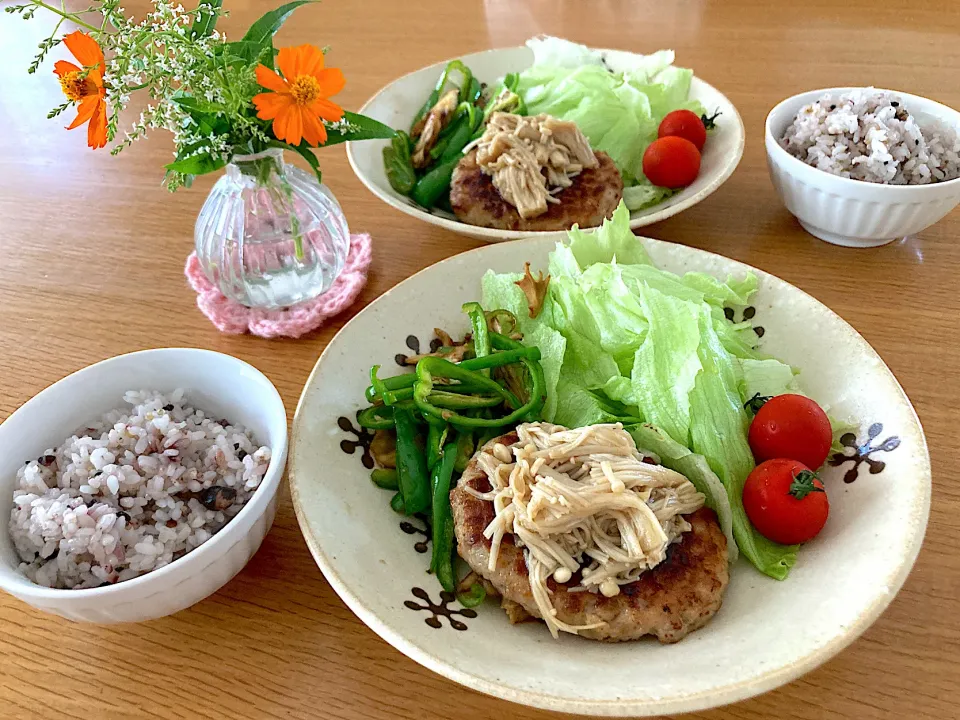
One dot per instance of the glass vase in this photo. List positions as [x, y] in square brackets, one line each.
[269, 234]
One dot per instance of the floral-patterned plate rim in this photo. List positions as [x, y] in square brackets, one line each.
[879, 489]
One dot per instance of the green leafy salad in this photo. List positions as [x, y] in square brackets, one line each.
[618, 112]
[623, 341]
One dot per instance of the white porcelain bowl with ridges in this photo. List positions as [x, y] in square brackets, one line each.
[213, 382]
[852, 212]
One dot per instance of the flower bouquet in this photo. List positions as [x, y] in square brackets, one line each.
[269, 234]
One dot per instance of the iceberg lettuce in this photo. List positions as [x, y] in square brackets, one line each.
[619, 112]
[628, 342]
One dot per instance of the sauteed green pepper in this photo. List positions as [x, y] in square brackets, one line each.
[431, 186]
[481, 337]
[441, 563]
[400, 382]
[441, 413]
[386, 479]
[430, 368]
[398, 164]
[411, 465]
[376, 417]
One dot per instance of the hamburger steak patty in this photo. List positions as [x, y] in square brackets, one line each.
[675, 598]
[594, 196]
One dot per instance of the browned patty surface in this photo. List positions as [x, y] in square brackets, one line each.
[594, 195]
[673, 599]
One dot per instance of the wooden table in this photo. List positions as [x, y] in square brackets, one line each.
[91, 265]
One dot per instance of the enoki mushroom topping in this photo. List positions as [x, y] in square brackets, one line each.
[583, 501]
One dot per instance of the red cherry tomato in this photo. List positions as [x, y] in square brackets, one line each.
[785, 501]
[671, 162]
[685, 124]
[791, 426]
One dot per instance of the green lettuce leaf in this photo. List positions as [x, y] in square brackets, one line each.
[718, 431]
[666, 364]
[643, 345]
[644, 194]
[840, 427]
[613, 240]
[767, 378]
[678, 457]
[579, 406]
[619, 112]
[730, 292]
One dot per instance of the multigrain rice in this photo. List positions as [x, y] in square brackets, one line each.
[870, 135]
[132, 492]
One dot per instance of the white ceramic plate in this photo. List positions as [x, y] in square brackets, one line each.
[398, 102]
[842, 581]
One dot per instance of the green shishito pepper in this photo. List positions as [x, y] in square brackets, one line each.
[431, 186]
[376, 417]
[436, 436]
[475, 595]
[411, 465]
[432, 98]
[466, 76]
[465, 449]
[430, 368]
[503, 343]
[385, 478]
[441, 562]
[505, 99]
[461, 133]
[475, 91]
[382, 391]
[456, 401]
[466, 85]
[398, 164]
[504, 319]
[396, 384]
[481, 335]
[380, 417]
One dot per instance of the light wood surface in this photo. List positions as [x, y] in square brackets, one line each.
[91, 265]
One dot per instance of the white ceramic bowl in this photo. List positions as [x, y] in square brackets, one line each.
[398, 102]
[852, 212]
[214, 382]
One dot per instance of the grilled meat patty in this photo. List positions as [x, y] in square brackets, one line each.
[594, 196]
[675, 598]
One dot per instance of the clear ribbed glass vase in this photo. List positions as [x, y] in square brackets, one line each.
[269, 234]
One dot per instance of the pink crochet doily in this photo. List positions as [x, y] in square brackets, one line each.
[229, 316]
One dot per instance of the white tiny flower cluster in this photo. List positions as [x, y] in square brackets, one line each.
[342, 125]
[159, 54]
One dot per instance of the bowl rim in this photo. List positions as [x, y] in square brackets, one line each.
[271, 478]
[458, 226]
[707, 699]
[795, 165]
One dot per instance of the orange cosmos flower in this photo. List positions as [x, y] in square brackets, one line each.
[88, 91]
[298, 101]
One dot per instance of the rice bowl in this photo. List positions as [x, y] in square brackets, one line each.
[870, 135]
[849, 212]
[132, 492]
[222, 385]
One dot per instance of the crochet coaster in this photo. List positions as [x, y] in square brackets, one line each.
[231, 317]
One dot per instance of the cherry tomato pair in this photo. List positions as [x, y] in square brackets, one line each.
[783, 498]
[673, 160]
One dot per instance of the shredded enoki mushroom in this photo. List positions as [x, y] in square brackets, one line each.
[583, 500]
[532, 158]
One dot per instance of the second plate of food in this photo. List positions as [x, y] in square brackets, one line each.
[601, 530]
[617, 100]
